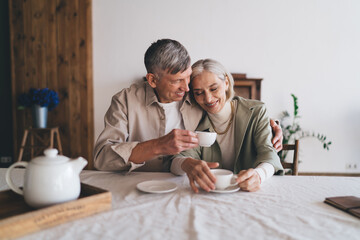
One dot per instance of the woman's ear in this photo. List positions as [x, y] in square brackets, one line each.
[226, 83]
[151, 79]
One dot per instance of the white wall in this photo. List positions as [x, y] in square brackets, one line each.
[310, 48]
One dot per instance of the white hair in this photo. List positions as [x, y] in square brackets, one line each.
[216, 68]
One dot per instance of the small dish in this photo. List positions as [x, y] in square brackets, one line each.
[230, 189]
[156, 186]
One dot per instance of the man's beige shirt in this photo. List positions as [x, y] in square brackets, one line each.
[135, 116]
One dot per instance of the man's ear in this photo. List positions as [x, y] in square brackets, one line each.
[151, 79]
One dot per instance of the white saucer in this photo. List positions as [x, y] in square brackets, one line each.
[226, 190]
[155, 186]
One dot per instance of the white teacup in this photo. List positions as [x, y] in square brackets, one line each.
[224, 178]
[206, 139]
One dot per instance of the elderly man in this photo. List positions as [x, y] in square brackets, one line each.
[156, 118]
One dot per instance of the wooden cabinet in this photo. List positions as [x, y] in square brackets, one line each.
[247, 87]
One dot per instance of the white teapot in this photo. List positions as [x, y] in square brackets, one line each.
[49, 179]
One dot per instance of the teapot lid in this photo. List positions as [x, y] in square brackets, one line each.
[51, 157]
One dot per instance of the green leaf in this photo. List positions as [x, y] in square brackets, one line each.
[294, 130]
[295, 105]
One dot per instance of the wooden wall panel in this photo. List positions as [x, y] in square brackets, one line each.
[85, 55]
[63, 73]
[17, 41]
[51, 47]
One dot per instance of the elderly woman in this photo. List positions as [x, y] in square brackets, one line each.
[243, 144]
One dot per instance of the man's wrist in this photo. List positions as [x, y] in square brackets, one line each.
[155, 147]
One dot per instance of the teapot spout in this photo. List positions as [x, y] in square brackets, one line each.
[78, 164]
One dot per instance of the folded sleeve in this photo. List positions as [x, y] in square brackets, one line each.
[112, 151]
[177, 160]
[176, 166]
[265, 171]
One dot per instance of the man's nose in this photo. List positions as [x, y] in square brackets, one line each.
[185, 85]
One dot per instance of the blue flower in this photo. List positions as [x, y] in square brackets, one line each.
[43, 97]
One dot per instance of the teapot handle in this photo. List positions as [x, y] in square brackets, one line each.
[16, 189]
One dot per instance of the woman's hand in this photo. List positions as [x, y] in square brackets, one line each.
[249, 180]
[199, 171]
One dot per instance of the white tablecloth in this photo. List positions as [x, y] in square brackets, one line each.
[286, 207]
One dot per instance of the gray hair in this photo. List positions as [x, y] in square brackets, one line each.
[216, 68]
[167, 55]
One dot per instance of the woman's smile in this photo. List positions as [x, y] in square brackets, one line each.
[213, 104]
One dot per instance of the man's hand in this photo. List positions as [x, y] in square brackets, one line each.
[249, 180]
[176, 141]
[278, 135]
[172, 143]
[199, 171]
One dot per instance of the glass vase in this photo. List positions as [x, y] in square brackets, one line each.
[39, 116]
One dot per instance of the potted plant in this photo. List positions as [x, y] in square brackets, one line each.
[292, 130]
[40, 101]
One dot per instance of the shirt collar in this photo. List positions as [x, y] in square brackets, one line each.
[150, 95]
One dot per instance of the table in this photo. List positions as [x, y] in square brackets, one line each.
[286, 207]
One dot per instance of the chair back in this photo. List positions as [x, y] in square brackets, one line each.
[294, 165]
